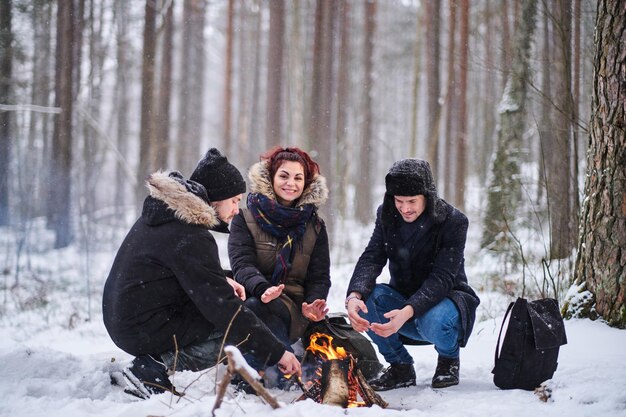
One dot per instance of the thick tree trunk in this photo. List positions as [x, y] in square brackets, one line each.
[562, 218]
[601, 261]
[504, 191]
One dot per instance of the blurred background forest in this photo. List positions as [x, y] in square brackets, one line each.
[496, 94]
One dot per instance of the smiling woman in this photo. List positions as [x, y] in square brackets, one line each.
[278, 245]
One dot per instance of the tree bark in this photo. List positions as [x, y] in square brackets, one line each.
[228, 77]
[6, 69]
[273, 124]
[433, 15]
[147, 100]
[601, 260]
[364, 183]
[461, 151]
[504, 192]
[560, 180]
[60, 170]
[160, 153]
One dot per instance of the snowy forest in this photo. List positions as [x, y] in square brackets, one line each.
[519, 106]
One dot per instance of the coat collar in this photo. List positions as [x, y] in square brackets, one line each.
[178, 195]
[260, 182]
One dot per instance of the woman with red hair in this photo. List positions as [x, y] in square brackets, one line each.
[278, 245]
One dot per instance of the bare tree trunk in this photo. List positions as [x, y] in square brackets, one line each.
[122, 103]
[228, 77]
[576, 104]
[60, 171]
[601, 261]
[560, 178]
[417, 78]
[342, 165]
[433, 13]
[273, 127]
[545, 127]
[162, 119]
[461, 152]
[191, 109]
[6, 71]
[364, 184]
[505, 65]
[39, 127]
[485, 147]
[503, 195]
[450, 103]
[147, 99]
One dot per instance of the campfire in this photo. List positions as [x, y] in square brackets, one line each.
[335, 378]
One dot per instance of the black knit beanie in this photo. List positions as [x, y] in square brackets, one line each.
[409, 177]
[220, 178]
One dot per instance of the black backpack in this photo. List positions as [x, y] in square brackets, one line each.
[530, 348]
[360, 347]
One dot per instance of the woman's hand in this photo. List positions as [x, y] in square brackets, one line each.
[315, 311]
[272, 293]
[397, 318]
[240, 291]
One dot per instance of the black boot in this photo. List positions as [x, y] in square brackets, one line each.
[397, 375]
[447, 372]
[146, 376]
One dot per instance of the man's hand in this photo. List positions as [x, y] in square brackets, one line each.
[354, 306]
[240, 291]
[315, 311]
[289, 364]
[272, 293]
[397, 318]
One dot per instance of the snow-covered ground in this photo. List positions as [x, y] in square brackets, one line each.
[56, 357]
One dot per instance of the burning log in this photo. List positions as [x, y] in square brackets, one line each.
[335, 388]
[337, 379]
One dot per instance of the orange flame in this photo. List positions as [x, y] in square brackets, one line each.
[322, 345]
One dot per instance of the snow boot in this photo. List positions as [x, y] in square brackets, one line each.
[146, 376]
[397, 375]
[447, 372]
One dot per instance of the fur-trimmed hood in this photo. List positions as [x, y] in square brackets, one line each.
[260, 182]
[186, 199]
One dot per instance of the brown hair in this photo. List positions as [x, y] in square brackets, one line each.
[277, 155]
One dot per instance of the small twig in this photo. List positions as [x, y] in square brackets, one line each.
[219, 355]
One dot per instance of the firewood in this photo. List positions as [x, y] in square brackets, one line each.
[335, 390]
[254, 383]
[367, 392]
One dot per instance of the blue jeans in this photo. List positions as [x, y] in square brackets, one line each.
[441, 326]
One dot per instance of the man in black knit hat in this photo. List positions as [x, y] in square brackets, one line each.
[167, 300]
[428, 299]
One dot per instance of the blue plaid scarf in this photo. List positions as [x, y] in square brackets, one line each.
[287, 224]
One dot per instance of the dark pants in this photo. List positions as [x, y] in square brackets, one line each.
[197, 356]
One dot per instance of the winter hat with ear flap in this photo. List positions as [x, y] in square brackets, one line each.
[221, 179]
[409, 177]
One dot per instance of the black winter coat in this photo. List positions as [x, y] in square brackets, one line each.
[167, 280]
[430, 270]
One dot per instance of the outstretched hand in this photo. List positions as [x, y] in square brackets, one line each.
[315, 311]
[272, 293]
[358, 323]
[397, 318]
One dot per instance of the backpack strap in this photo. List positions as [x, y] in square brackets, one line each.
[508, 310]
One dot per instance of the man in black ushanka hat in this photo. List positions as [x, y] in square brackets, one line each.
[167, 300]
[428, 299]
